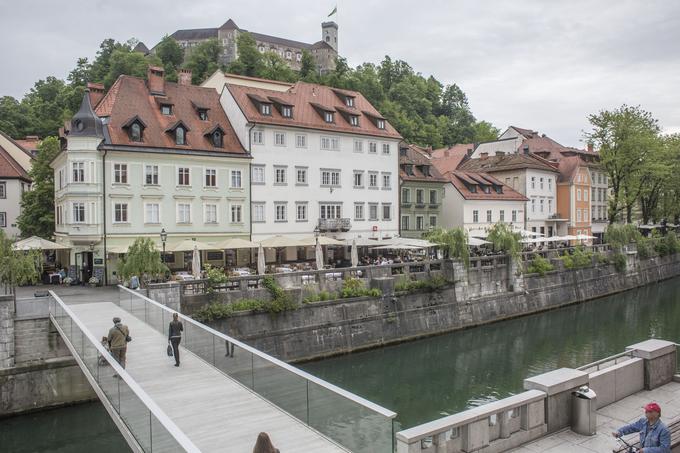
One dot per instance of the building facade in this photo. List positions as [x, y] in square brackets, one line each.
[573, 195]
[150, 156]
[324, 51]
[14, 181]
[322, 158]
[599, 200]
[422, 192]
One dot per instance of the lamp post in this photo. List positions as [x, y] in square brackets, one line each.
[164, 237]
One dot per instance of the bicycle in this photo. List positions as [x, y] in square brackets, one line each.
[625, 447]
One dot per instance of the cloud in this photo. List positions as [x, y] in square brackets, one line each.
[541, 65]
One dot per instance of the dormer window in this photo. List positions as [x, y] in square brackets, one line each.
[217, 139]
[266, 109]
[354, 120]
[328, 117]
[203, 114]
[380, 124]
[499, 189]
[487, 189]
[166, 109]
[426, 170]
[349, 101]
[408, 168]
[286, 111]
[180, 136]
[136, 132]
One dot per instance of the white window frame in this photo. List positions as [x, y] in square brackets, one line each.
[360, 174]
[187, 175]
[279, 138]
[120, 172]
[431, 223]
[389, 207]
[124, 213]
[280, 170]
[206, 217]
[405, 222]
[358, 146]
[235, 179]
[386, 180]
[514, 216]
[258, 137]
[330, 210]
[78, 171]
[236, 213]
[300, 140]
[489, 216]
[301, 207]
[3, 190]
[371, 207]
[255, 169]
[373, 175]
[257, 206]
[475, 216]
[283, 210]
[208, 174]
[3, 219]
[372, 148]
[386, 149]
[147, 218]
[178, 217]
[305, 176]
[154, 172]
[361, 211]
[73, 212]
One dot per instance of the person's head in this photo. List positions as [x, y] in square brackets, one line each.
[116, 320]
[175, 316]
[652, 412]
[264, 444]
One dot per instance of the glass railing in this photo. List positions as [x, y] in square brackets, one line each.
[349, 420]
[151, 429]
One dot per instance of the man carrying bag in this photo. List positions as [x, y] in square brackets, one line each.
[119, 337]
[175, 330]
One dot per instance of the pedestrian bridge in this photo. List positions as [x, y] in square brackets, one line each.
[222, 396]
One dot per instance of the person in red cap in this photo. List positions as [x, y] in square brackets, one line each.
[654, 435]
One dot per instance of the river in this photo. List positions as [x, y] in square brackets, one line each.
[425, 379]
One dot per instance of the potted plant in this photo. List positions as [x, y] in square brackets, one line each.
[93, 281]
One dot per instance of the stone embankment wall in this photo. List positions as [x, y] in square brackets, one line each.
[37, 370]
[335, 327]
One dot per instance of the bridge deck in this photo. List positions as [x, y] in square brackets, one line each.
[610, 418]
[213, 410]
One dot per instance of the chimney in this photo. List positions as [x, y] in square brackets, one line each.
[470, 151]
[184, 77]
[590, 147]
[156, 80]
[526, 149]
[484, 156]
[96, 93]
[446, 153]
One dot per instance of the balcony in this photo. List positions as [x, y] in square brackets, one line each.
[327, 225]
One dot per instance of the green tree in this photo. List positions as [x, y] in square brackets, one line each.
[204, 60]
[47, 106]
[14, 118]
[275, 68]
[504, 239]
[454, 243]
[130, 63]
[16, 268]
[484, 132]
[308, 70]
[142, 260]
[171, 55]
[37, 204]
[250, 61]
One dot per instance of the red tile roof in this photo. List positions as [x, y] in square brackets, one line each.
[568, 167]
[29, 144]
[463, 181]
[130, 97]
[417, 158]
[448, 159]
[515, 161]
[526, 133]
[307, 99]
[10, 168]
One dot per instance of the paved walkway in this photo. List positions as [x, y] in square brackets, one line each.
[214, 411]
[610, 418]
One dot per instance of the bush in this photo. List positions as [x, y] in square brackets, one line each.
[645, 249]
[280, 300]
[619, 235]
[578, 259]
[620, 262]
[408, 285]
[354, 287]
[220, 311]
[672, 243]
[215, 276]
[540, 266]
[602, 258]
[321, 296]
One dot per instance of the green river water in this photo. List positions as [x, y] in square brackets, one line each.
[425, 379]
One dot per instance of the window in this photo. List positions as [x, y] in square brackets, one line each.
[301, 176]
[236, 180]
[289, 54]
[135, 132]
[258, 137]
[578, 194]
[266, 109]
[419, 196]
[359, 179]
[550, 184]
[328, 117]
[210, 177]
[386, 148]
[180, 138]
[78, 171]
[335, 144]
[281, 214]
[3, 190]
[236, 213]
[585, 194]
[286, 111]
[120, 213]
[373, 180]
[183, 176]
[404, 222]
[380, 124]
[358, 211]
[281, 175]
[152, 213]
[330, 211]
[514, 216]
[78, 212]
[433, 221]
[540, 182]
[533, 182]
[298, 57]
[258, 174]
[507, 182]
[475, 216]
[387, 211]
[515, 182]
[501, 216]
[358, 146]
[433, 197]
[354, 120]
[183, 213]
[217, 139]
[166, 109]
[61, 178]
[405, 195]
[325, 143]
[151, 174]
[488, 215]
[258, 212]
[387, 181]
[203, 114]
[301, 141]
[372, 147]
[349, 101]
[578, 215]
[3, 219]
[420, 223]
[59, 218]
[541, 205]
[210, 213]
[280, 138]
[373, 211]
[533, 205]
[593, 213]
[301, 212]
[330, 177]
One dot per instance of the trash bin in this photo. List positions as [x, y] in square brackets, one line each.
[583, 415]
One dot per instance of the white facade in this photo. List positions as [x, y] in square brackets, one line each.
[301, 176]
[598, 199]
[11, 191]
[541, 190]
[505, 145]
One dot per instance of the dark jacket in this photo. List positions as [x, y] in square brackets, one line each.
[117, 335]
[175, 329]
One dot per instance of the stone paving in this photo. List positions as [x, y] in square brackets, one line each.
[610, 418]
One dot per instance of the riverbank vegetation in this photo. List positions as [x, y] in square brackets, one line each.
[407, 285]
[453, 243]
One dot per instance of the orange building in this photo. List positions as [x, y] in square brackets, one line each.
[573, 195]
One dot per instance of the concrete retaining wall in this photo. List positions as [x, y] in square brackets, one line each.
[336, 327]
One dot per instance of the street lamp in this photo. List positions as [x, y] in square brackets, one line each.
[164, 237]
[317, 231]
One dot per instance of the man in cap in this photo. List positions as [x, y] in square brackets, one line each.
[654, 435]
[119, 335]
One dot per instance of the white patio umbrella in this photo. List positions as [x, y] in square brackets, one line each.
[319, 256]
[527, 233]
[196, 263]
[475, 242]
[583, 237]
[423, 243]
[323, 240]
[280, 241]
[355, 253]
[37, 243]
[260, 260]
[189, 245]
[235, 243]
[397, 247]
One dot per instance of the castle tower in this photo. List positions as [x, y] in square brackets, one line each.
[329, 34]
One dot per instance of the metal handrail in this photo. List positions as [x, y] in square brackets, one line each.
[164, 420]
[597, 363]
[328, 386]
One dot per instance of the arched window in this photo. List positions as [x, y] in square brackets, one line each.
[180, 138]
[217, 139]
[136, 132]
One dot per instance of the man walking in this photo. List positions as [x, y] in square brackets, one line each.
[118, 339]
[654, 435]
[175, 330]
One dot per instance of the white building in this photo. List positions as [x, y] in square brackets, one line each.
[14, 181]
[321, 157]
[151, 156]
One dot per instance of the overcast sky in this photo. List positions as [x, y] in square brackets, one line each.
[543, 65]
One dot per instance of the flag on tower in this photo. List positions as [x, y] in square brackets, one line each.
[335, 10]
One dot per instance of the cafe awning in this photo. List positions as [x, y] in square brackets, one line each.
[189, 245]
[235, 243]
[37, 243]
[323, 240]
[280, 241]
